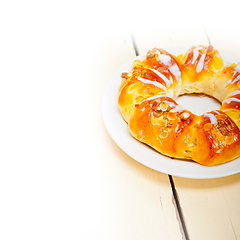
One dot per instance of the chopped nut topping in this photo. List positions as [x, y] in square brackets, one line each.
[184, 115]
[171, 123]
[163, 135]
[138, 99]
[171, 116]
[209, 49]
[163, 106]
[158, 121]
[229, 139]
[154, 105]
[223, 128]
[207, 127]
[149, 54]
[124, 74]
[157, 114]
[194, 141]
[162, 117]
[221, 117]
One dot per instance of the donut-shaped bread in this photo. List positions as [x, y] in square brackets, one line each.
[147, 103]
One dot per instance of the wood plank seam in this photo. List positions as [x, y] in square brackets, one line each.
[134, 45]
[208, 39]
[179, 211]
[175, 197]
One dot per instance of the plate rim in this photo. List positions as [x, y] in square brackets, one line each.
[124, 138]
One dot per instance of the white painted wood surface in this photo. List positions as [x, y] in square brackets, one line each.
[61, 174]
[137, 201]
[211, 207]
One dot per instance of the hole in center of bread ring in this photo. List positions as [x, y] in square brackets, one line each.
[198, 103]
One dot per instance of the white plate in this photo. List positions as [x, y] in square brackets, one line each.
[118, 130]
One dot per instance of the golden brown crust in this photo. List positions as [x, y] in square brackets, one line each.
[146, 103]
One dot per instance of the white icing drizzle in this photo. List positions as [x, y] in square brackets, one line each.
[176, 129]
[237, 68]
[236, 79]
[212, 117]
[163, 77]
[151, 98]
[173, 68]
[229, 81]
[186, 115]
[233, 93]
[171, 80]
[216, 111]
[171, 104]
[231, 100]
[165, 59]
[177, 108]
[176, 72]
[155, 83]
[200, 63]
[196, 54]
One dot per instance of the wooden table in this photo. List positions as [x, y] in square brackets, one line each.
[61, 174]
[140, 203]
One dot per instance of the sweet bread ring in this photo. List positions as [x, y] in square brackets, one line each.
[146, 100]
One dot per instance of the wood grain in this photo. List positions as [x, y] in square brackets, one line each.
[137, 201]
[210, 207]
